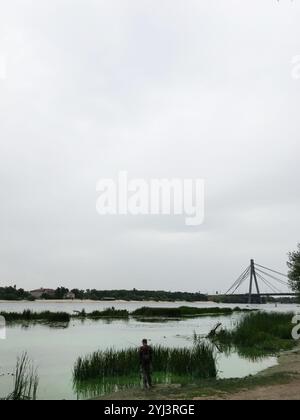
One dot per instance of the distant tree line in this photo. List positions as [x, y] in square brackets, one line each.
[127, 295]
[244, 299]
[12, 293]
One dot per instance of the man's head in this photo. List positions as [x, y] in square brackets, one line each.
[145, 342]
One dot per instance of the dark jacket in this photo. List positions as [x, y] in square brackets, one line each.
[145, 355]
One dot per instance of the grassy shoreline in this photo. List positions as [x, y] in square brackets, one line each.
[282, 375]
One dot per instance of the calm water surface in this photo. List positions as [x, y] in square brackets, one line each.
[55, 350]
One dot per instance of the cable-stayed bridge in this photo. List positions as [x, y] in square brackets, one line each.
[258, 275]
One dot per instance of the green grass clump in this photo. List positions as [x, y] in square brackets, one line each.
[108, 313]
[184, 311]
[266, 333]
[195, 362]
[157, 312]
[189, 311]
[28, 315]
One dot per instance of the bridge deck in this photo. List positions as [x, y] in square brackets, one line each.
[268, 294]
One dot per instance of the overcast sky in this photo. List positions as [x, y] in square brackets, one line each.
[160, 88]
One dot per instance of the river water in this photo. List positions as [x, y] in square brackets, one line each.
[54, 350]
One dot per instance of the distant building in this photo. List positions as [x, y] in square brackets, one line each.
[70, 295]
[37, 294]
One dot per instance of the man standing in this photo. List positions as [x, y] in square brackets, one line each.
[145, 354]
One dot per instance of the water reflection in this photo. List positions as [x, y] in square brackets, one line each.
[247, 353]
[27, 325]
[157, 320]
[105, 386]
[100, 388]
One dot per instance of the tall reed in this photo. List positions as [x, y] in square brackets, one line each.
[197, 362]
[261, 331]
[25, 380]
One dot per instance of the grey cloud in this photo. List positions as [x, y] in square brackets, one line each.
[161, 89]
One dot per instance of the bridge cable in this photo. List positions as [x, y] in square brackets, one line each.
[239, 285]
[273, 290]
[238, 281]
[273, 277]
[269, 269]
[243, 279]
[267, 283]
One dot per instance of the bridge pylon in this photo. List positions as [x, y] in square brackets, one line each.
[253, 279]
